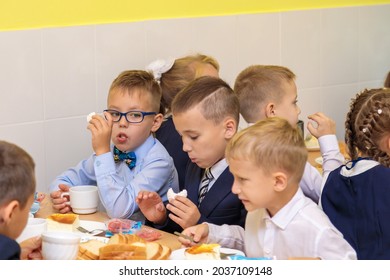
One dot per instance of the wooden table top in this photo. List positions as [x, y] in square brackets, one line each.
[166, 239]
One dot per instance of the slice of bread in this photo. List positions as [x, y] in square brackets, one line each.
[153, 250]
[130, 238]
[90, 250]
[165, 253]
[123, 247]
[121, 238]
[133, 251]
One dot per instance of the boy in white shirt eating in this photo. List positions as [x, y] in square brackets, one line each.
[267, 161]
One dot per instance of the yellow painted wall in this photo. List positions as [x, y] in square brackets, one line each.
[27, 14]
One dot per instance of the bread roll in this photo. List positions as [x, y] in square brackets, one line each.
[63, 222]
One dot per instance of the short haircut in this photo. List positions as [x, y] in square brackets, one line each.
[258, 85]
[216, 98]
[367, 123]
[272, 145]
[17, 177]
[139, 81]
[184, 70]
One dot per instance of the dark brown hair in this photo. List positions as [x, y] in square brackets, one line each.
[17, 178]
[260, 84]
[139, 81]
[367, 122]
[215, 96]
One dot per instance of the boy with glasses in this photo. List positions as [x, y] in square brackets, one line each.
[134, 161]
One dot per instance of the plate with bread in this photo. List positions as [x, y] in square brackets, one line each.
[123, 247]
[70, 222]
[204, 252]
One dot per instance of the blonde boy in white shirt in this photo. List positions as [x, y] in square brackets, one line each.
[270, 91]
[267, 161]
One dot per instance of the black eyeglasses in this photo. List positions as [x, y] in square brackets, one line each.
[130, 116]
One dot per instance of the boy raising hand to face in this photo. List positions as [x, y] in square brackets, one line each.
[134, 161]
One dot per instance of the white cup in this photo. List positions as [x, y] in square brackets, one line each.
[34, 227]
[83, 199]
[60, 245]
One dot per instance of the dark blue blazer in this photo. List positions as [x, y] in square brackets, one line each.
[220, 206]
[171, 140]
[359, 207]
[9, 248]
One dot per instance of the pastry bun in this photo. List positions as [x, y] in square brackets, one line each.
[64, 218]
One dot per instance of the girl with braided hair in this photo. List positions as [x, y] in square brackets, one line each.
[356, 196]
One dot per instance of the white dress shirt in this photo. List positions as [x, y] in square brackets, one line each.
[299, 229]
[312, 181]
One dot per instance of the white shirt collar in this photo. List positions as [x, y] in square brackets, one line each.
[361, 166]
[285, 215]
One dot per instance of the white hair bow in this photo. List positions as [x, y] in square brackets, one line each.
[159, 67]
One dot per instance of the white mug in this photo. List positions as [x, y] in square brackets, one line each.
[58, 245]
[34, 227]
[83, 199]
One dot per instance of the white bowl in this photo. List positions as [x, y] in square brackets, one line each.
[60, 245]
[34, 227]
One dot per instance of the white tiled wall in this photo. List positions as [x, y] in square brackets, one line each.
[50, 79]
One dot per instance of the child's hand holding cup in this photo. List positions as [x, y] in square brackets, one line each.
[83, 199]
[60, 245]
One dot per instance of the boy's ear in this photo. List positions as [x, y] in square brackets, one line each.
[270, 110]
[280, 181]
[7, 211]
[157, 121]
[230, 128]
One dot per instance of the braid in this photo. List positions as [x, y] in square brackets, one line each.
[350, 139]
[368, 122]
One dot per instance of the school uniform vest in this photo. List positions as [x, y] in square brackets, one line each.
[359, 206]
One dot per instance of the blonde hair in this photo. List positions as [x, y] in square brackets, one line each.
[367, 123]
[271, 144]
[183, 71]
[216, 97]
[260, 84]
[141, 81]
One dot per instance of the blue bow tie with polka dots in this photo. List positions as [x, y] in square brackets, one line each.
[129, 158]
